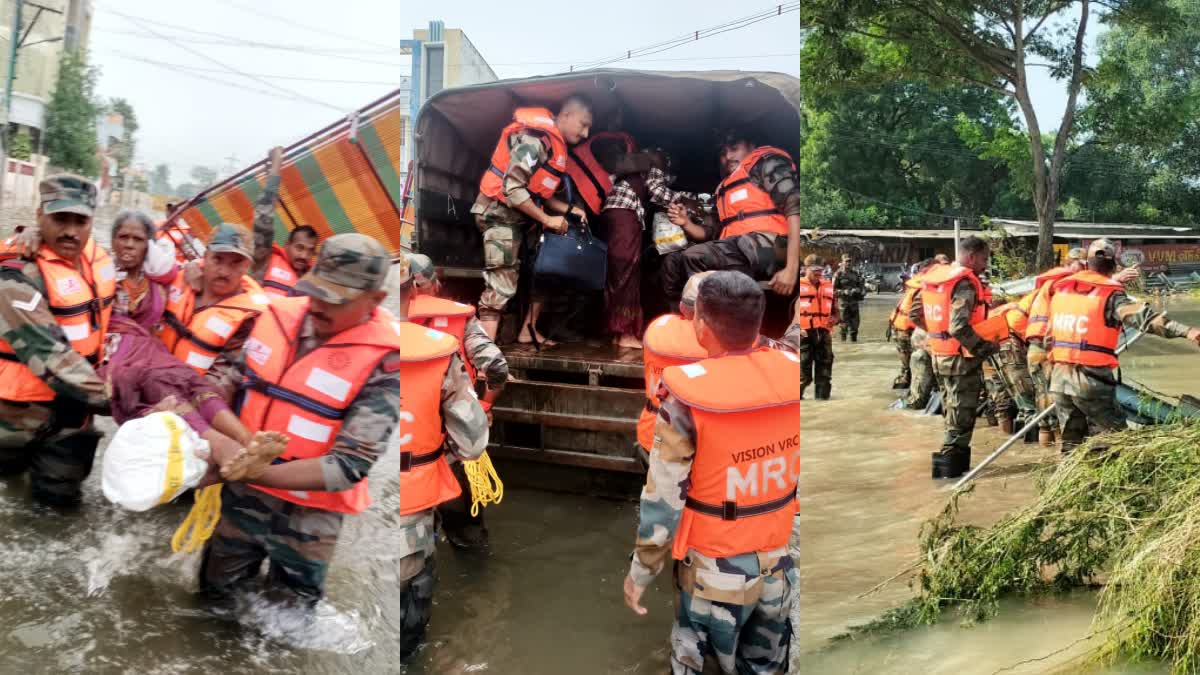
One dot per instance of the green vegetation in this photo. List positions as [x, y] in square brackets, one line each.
[71, 117]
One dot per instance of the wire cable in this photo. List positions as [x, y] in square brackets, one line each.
[177, 66]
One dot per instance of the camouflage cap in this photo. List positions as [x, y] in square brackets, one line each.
[1076, 254]
[691, 290]
[421, 269]
[68, 193]
[232, 238]
[1102, 248]
[814, 260]
[348, 265]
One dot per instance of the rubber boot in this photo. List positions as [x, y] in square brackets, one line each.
[854, 337]
[902, 381]
[59, 467]
[1006, 425]
[1045, 437]
[823, 391]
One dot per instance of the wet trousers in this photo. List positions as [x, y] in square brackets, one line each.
[922, 381]
[57, 462]
[416, 600]
[1082, 415]
[960, 399]
[1039, 374]
[904, 349]
[850, 321]
[255, 526]
[726, 609]
[816, 362]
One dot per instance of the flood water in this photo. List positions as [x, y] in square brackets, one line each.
[98, 590]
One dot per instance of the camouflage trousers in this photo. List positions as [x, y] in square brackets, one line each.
[255, 526]
[1085, 403]
[501, 264]
[850, 320]
[960, 399]
[57, 460]
[735, 610]
[417, 576]
[1015, 370]
[752, 253]
[816, 361]
[996, 389]
[922, 381]
[1039, 374]
[904, 349]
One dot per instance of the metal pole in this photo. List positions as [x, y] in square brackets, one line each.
[1028, 426]
[8, 87]
[957, 221]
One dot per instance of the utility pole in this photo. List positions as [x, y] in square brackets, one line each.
[8, 87]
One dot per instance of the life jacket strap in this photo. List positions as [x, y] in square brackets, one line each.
[186, 333]
[742, 215]
[257, 384]
[731, 511]
[410, 461]
[1083, 346]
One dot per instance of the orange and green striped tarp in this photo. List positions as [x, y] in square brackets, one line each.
[345, 178]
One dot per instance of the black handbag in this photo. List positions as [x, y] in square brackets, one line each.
[575, 260]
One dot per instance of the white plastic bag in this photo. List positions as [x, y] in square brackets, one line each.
[152, 460]
[668, 237]
[160, 257]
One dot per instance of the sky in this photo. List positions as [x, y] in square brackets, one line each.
[303, 66]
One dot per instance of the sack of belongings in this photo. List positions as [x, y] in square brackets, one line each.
[668, 237]
[152, 460]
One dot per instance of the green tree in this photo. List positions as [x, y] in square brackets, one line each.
[160, 180]
[71, 117]
[123, 151]
[20, 145]
[989, 43]
[204, 176]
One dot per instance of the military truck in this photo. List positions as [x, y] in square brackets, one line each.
[567, 420]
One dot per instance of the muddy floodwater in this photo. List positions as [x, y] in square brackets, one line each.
[98, 590]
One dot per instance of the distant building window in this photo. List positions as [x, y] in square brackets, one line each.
[435, 59]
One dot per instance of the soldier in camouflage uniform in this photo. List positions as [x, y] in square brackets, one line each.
[851, 291]
[734, 609]
[264, 218]
[1039, 366]
[505, 223]
[465, 425]
[1085, 397]
[961, 376]
[54, 440]
[345, 287]
[758, 254]
[460, 527]
[921, 386]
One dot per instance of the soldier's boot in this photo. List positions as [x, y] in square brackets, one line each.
[903, 380]
[854, 337]
[823, 390]
[950, 462]
[1006, 425]
[59, 467]
[843, 334]
[416, 606]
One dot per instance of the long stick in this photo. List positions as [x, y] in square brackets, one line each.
[1028, 426]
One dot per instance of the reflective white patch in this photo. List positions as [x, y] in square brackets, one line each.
[792, 357]
[459, 304]
[299, 494]
[218, 326]
[550, 182]
[440, 322]
[257, 351]
[313, 431]
[198, 360]
[69, 286]
[529, 161]
[260, 299]
[29, 304]
[76, 332]
[738, 195]
[106, 272]
[396, 327]
[663, 320]
[693, 370]
[281, 274]
[175, 294]
[329, 384]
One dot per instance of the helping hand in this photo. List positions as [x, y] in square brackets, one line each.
[580, 213]
[784, 281]
[194, 275]
[557, 224]
[633, 596]
[678, 214]
[28, 241]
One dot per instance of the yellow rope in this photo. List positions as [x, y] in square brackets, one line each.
[486, 487]
[200, 522]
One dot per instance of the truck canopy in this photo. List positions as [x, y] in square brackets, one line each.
[681, 112]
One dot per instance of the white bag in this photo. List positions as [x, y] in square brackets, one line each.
[668, 237]
[160, 257]
[152, 460]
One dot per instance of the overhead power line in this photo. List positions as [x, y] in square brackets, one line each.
[290, 22]
[231, 69]
[235, 85]
[696, 35]
[179, 66]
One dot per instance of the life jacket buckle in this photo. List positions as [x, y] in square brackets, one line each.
[729, 510]
[406, 459]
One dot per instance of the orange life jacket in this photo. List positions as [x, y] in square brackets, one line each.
[197, 337]
[1018, 315]
[308, 398]
[1078, 330]
[589, 177]
[670, 340]
[446, 316]
[81, 301]
[814, 306]
[900, 320]
[744, 207]
[549, 174]
[937, 287]
[280, 278]
[1039, 307]
[741, 496]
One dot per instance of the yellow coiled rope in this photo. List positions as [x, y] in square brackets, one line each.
[198, 527]
[486, 487]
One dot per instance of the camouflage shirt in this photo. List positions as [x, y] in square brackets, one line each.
[1133, 315]
[485, 356]
[466, 428]
[526, 152]
[962, 305]
[849, 286]
[264, 228]
[39, 342]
